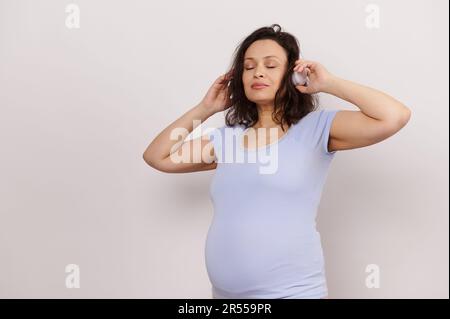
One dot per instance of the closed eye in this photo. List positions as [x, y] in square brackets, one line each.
[269, 67]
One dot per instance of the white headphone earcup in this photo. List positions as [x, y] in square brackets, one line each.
[300, 78]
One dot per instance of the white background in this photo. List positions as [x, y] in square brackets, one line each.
[79, 107]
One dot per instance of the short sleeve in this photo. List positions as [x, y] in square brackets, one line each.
[321, 129]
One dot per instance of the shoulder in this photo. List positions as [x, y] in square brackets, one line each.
[319, 118]
[322, 114]
[314, 128]
[311, 118]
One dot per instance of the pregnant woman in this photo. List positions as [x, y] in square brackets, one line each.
[271, 160]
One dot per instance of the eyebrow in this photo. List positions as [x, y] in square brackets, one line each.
[269, 56]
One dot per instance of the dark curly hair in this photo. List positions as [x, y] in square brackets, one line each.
[290, 105]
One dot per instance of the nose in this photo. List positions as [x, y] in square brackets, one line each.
[258, 74]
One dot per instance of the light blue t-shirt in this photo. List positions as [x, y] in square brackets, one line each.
[263, 242]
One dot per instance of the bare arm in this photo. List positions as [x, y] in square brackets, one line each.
[169, 153]
[380, 115]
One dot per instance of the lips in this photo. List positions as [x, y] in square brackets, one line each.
[259, 85]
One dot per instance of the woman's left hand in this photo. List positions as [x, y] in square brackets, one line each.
[319, 78]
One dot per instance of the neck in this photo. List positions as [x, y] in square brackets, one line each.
[265, 117]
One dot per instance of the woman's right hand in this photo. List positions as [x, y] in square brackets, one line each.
[217, 98]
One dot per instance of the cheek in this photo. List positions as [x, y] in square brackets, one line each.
[246, 79]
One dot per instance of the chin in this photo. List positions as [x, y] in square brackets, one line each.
[262, 101]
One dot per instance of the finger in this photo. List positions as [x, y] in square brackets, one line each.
[220, 79]
[302, 88]
[297, 68]
[305, 66]
[228, 75]
[309, 64]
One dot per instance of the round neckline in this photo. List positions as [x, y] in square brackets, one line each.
[264, 147]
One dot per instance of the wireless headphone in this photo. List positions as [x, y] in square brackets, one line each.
[300, 78]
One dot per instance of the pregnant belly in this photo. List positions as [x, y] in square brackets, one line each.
[258, 254]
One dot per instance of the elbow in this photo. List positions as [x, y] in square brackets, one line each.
[155, 163]
[405, 117]
[397, 121]
[148, 160]
[401, 118]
